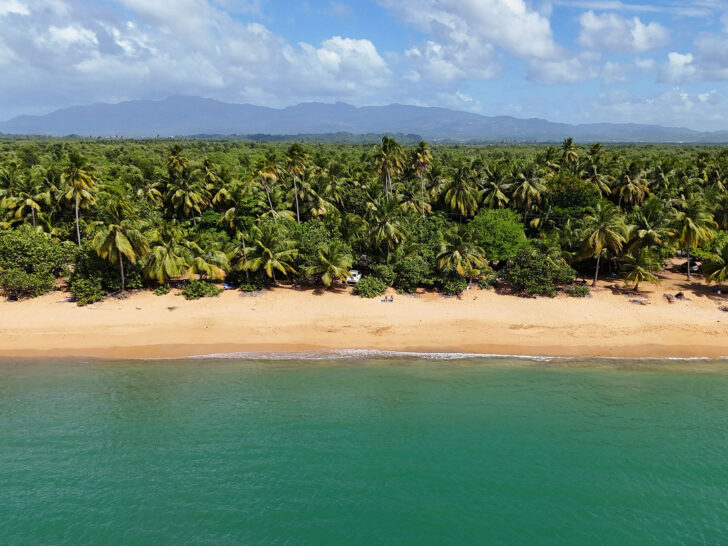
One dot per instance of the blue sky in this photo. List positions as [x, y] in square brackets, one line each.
[576, 61]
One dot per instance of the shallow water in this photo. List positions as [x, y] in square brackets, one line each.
[362, 451]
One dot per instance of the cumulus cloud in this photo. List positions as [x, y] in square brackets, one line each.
[614, 32]
[707, 62]
[466, 35]
[61, 53]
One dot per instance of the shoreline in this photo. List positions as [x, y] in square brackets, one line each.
[290, 321]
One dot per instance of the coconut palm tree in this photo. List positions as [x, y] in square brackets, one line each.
[389, 162]
[332, 262]
[459, 254]
[272, 252]
[461, 193]
[421, 161]
[296, 158]
[168, 255]
[694, 226]
[716, 266]
[603, 229]
[528, 187]
[266, 173]
[569, 153]
[632, 185]
[639, 266]
[498, 184]
[120, 237]
[650, 224]
[27, 198]
[78, 185]
[187, 195]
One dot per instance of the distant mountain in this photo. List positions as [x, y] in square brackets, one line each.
[185, 116]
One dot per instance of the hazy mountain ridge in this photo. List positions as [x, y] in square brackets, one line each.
[185, 116]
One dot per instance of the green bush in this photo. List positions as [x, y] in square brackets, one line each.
[385, 273]
[577, 290]
[17, 284]
[534, 273]
[162, 290]
[24, 249]
[251, 286]
[486, 282]
[87, 290]
[105, 275]
[500, 233]
[370, 287]
[411, 273]
[452, 286]
[194, 290]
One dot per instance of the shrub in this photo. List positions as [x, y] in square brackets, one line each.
[577, 290]
[87, 290]
[24, 249]
[17, 284]
[452, 286]
[486, 282]
[499, 232]
[104, 274]
[161, 290]
[385, 273]
[534, 273]
[370, 287]
[411, 273]
[251, 286]
[194, 290]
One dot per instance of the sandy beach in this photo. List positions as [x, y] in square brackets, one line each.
[284, 319]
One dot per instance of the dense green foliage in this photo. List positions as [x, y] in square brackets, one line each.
[128, 214]
[17, 283]
[194, 290]
[370, 287]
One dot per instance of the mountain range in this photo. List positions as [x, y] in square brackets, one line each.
[186, 116]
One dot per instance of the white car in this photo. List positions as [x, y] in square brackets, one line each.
[354, 276]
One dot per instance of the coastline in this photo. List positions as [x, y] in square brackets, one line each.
[286, 320]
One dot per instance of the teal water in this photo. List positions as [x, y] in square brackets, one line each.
[363, 452]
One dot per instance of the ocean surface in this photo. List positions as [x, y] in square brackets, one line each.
[377, 450]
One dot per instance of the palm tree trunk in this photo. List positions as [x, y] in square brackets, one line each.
[78, 228]
[387, 182]
[32, 212]
[121, 268]
[596, 272]
[245, 257]
[295, 192]
[422, 192]
[688, 263]
[270, 203]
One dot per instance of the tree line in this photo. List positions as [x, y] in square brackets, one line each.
[128, 214]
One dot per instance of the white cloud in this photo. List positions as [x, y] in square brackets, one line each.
[701, 111]
[13, 6]
[612, 31]
[508, 24]
[445, 63]
[61, 54]
[573, 69]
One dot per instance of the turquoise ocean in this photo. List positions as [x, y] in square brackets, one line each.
[369, 449]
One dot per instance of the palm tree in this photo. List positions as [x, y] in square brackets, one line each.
[168, 254]
[389, 161]
[176, 164]
[694, 226]
[272, 252]
[385, 228]
[497, 185]
[187, 195]
[79, 184]
[528, 187]
[332, 262]
[461, 193]
[266, 172]
[650, 224]
[459, 254]
[27, 197]
[569, 153]
[639, 266]
[422, 158]
[296, 158]
[592, 174]
[716, 266]
[632, 185]
[120, 238]
[603, 229]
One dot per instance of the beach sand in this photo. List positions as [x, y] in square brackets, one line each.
[285, 319]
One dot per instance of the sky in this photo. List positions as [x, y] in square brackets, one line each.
[574, 61]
